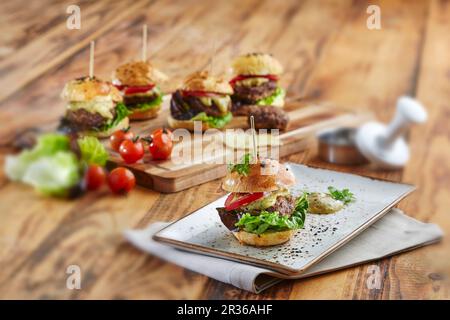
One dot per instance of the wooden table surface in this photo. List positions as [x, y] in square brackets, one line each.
[329, 55]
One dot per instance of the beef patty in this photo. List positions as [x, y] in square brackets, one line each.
[186, 107]
[284, 205]
[250, 95]
[267, 117]
[81, 119]
[132, 101]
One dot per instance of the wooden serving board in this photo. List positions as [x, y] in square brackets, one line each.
[178, 173]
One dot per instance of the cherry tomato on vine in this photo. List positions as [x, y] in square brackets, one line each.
[95, 176]
[121, 180]
[131, 150]
[118, 136]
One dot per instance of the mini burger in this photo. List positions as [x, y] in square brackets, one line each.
[255, 82]
[204, 98]
[94, 107]
[260, 210]
[137, 82]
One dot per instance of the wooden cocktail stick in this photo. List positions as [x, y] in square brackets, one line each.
[91, 60]
[144, 42]
[211, 61]
[255, 145]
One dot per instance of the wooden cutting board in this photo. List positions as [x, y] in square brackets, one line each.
[182, 172]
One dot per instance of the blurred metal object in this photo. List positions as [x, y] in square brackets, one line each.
[338, 146]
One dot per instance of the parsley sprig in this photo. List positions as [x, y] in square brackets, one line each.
[242, 168]
[343, 195]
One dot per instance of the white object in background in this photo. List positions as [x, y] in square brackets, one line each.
[385, 145]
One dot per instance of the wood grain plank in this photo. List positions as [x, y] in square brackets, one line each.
[339, 61]
[51, 48]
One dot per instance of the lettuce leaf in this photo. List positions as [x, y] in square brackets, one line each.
[148, 105]
[276, 99]
[47, 145]
[121, 113]
[213, 122]
[273, 221]
[53, 174]
[92, 151]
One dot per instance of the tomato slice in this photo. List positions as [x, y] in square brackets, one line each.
[233, 202]
[243, 77]
[200, 93]
[135, 89]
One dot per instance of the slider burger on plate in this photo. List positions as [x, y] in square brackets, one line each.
[256, 91]
[94, 107]
[260, 210]
[137, 82]
[204, 98]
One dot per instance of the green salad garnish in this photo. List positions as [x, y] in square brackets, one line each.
[273, 221]
[242, 168]
[343, 195]
[51, 167]
[213, 122]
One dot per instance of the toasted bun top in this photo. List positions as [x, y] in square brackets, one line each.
[85, 89]
[267, 175]
[138, 73]
[202, 81]
[256, 64]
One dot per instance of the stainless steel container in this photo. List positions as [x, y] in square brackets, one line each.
[338, 146]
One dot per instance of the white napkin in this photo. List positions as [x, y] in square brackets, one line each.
[394, 233]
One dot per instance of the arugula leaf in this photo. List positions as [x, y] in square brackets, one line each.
[242, 168]
[272, 221]
[92, 151]
[121, 113]
[214, 122]
[148, 105]
[343, 195]
[276, 99]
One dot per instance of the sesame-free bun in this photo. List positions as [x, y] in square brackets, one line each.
[256, 64]
[105, 134]
[138, 73]
[185, 124]
[265, 239]
[254, 181]
[146, 114]
[202, 81]
[85, 89]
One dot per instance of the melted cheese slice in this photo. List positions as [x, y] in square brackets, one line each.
[102, 105]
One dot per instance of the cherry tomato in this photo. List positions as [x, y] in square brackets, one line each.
[235, 201]
[160, 144]
[95, 176]
[131, 150]
[161, 131]
[119, 136]
[121, 180]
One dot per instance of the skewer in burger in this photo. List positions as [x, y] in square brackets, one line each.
[260, 210]
[94, 107]
[204, 98]
[137, 82]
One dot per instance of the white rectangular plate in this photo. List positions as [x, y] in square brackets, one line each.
[203, 232]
